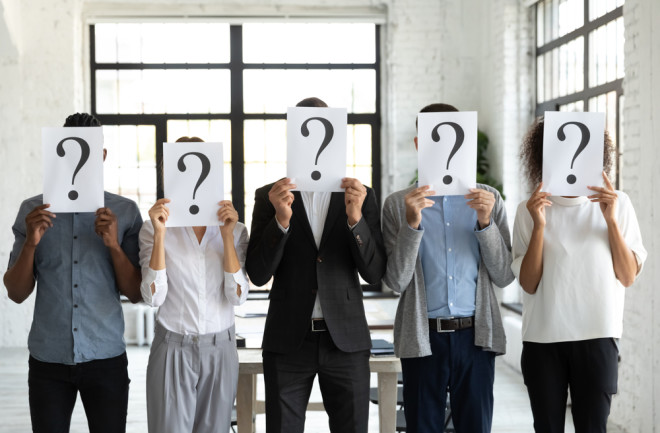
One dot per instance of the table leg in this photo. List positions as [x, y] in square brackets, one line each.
[245, 396]
[387, 383]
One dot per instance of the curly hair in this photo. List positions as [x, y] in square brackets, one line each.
[531, 154]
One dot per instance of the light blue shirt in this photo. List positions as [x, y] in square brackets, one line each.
[77, 311]
[450, 257]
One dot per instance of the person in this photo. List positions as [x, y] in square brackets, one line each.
[443, 255]
[314, 245]
[573, 257]
[81, 263]
[195, 275]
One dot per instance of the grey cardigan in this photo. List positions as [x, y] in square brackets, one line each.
[404, 275]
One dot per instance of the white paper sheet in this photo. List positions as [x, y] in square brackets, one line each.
[447, 151]
[73, 168]
[316, 147]
[573, 145]
[193, 181]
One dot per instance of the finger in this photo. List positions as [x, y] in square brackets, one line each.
[227, 203]
[607, 182]
[40, 212]
[42, 219]
[538, 188]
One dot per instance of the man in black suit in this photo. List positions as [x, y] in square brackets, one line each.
[314, 244]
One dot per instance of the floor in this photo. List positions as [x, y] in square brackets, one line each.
[511, 413]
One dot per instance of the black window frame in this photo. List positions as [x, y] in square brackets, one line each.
[237, 116]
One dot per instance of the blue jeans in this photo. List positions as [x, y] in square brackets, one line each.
[458, 366]
[103, 387]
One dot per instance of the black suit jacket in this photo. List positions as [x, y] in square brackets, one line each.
[301, 270]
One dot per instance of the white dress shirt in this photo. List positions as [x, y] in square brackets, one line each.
[316, 207]
[195, 295]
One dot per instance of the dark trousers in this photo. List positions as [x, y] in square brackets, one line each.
[589, 368]
[103, 387]
[343, 379]
[455, 364]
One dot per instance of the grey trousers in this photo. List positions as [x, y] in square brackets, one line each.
[191, 382]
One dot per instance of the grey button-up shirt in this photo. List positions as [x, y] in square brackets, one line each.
[77, 313]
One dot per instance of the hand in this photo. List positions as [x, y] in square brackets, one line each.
[281, 197]
[36, 224]
[481, 201]
[416, 201]
[106, 227]
[158, 215]
[228, 215]
[353, 199]
[536, 206]
[607, 198]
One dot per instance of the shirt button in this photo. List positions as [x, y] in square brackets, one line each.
[449, 250]
[445, 199]
[75, 262]
[451, 278]
[75, 305]
[451, 304]
[447, 223]
[76, 237]
[319, 259]
[75, 329]
[75, 285]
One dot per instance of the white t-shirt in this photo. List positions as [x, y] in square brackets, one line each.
[578, 297]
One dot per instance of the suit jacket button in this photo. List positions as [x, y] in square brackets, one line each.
[319, 259]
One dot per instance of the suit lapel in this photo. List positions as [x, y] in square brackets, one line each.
[336, 208]
[300, 214]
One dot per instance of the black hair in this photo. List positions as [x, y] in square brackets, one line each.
[81, 119]
[312, 102]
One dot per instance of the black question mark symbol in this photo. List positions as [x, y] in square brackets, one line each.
[583, 143]
[460, 136]
[206, 168]
[84, 156]
[329, 133]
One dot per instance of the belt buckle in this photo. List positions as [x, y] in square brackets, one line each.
[438, 324]
[314, 322]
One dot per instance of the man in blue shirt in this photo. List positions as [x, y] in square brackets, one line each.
[444, 253]
[81, 263]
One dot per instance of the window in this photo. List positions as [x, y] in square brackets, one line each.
[579, 60]
[155, 82]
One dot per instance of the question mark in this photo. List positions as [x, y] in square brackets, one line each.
[206, 168]
[583, 143]
[329, 133]
[460, 136]
[84, 156]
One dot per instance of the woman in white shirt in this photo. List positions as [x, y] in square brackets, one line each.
[195, 275]
[573, 257]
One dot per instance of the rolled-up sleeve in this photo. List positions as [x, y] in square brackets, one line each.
[233, 280]
[150, 276]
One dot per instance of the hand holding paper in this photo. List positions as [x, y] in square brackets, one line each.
[281, 198]
[36, 224]
[228, 217]
[353, 199]
[416, 200]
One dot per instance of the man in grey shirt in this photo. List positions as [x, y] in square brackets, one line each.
[81, 263]
[443, 254]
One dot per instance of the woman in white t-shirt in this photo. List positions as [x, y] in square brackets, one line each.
[573, 257]
[195, 275]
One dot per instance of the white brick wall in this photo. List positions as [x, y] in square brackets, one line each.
[637, 407]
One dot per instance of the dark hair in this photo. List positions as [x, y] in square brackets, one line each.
[81, 119]
[436, 108]
[185, 139]
[312, 102]
[531, 154]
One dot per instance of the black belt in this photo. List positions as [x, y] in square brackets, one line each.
[451, 325]
[319, 325]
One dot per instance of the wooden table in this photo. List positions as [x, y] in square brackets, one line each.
[251, 364]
